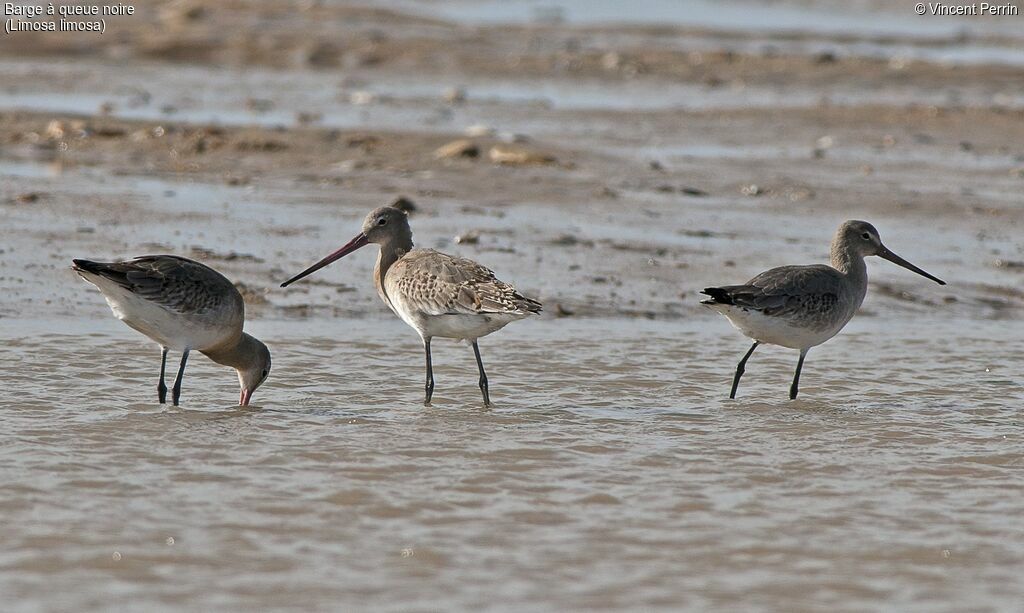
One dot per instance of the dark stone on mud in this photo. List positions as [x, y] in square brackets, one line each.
[404, 204]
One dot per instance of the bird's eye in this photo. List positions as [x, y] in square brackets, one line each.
[866, 236]
[264, 374]
[382, 221]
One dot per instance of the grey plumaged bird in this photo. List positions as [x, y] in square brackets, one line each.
[183, 306]
[803, 306]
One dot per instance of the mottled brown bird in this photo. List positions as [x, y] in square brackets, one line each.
[435, 293]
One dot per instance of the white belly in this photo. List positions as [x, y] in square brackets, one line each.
[776, 330]
[469, 326]
[465, 327]
[168, 328]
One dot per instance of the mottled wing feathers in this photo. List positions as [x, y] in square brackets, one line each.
[440, 284]
[783, 291]
[175, 283]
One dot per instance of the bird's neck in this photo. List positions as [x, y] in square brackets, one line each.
[850, 262]
[390, 252]
[237, 354]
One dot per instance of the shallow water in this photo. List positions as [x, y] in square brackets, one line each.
[612, 472]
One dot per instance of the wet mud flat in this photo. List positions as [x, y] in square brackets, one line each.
[615, 169]
[599, 231]
[610, 169]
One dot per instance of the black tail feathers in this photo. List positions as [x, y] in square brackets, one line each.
[88, 266]
[718, 295]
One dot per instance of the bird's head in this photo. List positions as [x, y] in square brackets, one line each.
[254, 372]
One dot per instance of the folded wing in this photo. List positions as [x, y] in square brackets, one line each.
[440, 284]
[175, 283]
[783, 291]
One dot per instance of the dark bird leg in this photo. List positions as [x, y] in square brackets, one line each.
[793, 389]
[161, 388]
[483, 375]
[429, 387]
[741, 368]
[176, 390]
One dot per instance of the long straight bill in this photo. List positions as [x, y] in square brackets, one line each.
[355, 243]
[895, 259]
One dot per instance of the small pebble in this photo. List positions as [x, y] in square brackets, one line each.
[362, 98]
[468, 238]
[461, 148]
[454, 95]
